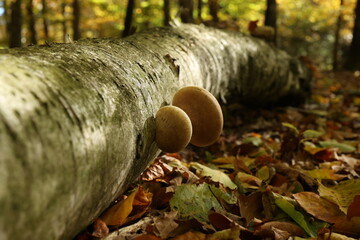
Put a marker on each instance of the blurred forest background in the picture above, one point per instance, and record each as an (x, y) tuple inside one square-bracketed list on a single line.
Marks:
[(321, 30)]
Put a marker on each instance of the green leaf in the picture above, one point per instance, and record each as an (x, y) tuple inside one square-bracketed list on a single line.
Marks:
[(215, 175), (194, 201), (299, 217), (292, 127), (341, 194), (312, 134), (333, 143), (253, 140)]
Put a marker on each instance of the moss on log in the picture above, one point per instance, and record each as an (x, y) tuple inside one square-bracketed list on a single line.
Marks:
[(77, 120)]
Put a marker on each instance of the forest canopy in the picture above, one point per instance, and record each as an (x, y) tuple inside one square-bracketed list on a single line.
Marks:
[(304, 28)]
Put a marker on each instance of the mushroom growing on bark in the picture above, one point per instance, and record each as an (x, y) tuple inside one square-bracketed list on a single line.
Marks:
[(204, 112), (173, 129)]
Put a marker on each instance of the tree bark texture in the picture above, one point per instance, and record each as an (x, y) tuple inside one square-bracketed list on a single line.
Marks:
[(32, 22), (354, 54), (77, 119), (15, 25)]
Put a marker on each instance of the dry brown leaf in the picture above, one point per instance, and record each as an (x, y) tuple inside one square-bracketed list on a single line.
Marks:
[(328, 212), (191, 236), (319, 207), (290, 228), (99, 228), (354, 208), (165, 224), (251, 206), (147, 237)]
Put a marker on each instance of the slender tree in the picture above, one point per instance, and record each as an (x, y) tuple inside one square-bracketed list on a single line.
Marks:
[(270, 16), (214, 9), (76, 20), (64, 22), (186, 11), (6, 16), (337, 37), (128, 18), (15, 25), (45, 20), (32, 22), (353, 61), (199, 8), (167, 17)]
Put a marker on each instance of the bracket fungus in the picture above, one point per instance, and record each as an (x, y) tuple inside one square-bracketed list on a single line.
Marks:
[(173, 129), (204, 112)]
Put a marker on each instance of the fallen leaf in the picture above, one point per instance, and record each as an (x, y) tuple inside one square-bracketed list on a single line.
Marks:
[(191, 236), (354, 208), (329, 212), (99, 229), (309, 134), (324, 174), (156, 170), (228, 234), (147, 237), (300, 218), (318, 207), (166, 224), (268, 229), (194, 201), (251, 206), (341, 146), (129, 209), (341, 194), (215, 175)]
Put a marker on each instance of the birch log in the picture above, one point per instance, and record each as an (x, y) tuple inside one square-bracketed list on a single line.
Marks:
[(77, 119)]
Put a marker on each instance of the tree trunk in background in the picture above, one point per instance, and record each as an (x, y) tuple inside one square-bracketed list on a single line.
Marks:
[(128, 18), (167, 17), (45, 20), (6, 17), (186, 11), (214, 9), (199, 8), (337, 37), (270, 16), (77, 120), (76, 20), (354, 54), (32, 22), (15, 25), (64, 22)]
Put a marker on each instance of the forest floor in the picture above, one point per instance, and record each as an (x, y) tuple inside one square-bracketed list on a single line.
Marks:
[(273, 174)]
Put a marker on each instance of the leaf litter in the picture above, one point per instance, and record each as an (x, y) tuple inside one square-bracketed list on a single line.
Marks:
[(280, 173)]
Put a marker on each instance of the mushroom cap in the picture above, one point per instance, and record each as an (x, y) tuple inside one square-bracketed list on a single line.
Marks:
[(173, 129), (204, 112)]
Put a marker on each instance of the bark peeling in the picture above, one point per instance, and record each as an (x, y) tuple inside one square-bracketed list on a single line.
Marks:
[(77, 120)]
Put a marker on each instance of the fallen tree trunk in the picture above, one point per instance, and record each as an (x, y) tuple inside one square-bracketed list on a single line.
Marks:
[(77, 120)]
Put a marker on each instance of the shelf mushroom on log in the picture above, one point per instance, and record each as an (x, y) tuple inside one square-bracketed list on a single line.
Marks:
[(77, 120)]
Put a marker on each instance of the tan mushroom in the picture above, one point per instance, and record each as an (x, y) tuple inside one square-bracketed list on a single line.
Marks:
[(173, 129), (204, 112)]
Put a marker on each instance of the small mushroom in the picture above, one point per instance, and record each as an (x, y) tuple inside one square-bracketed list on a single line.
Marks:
[(204, 112), (173, 129)]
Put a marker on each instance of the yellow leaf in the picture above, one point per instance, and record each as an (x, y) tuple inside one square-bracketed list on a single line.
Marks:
[(117, 214)]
